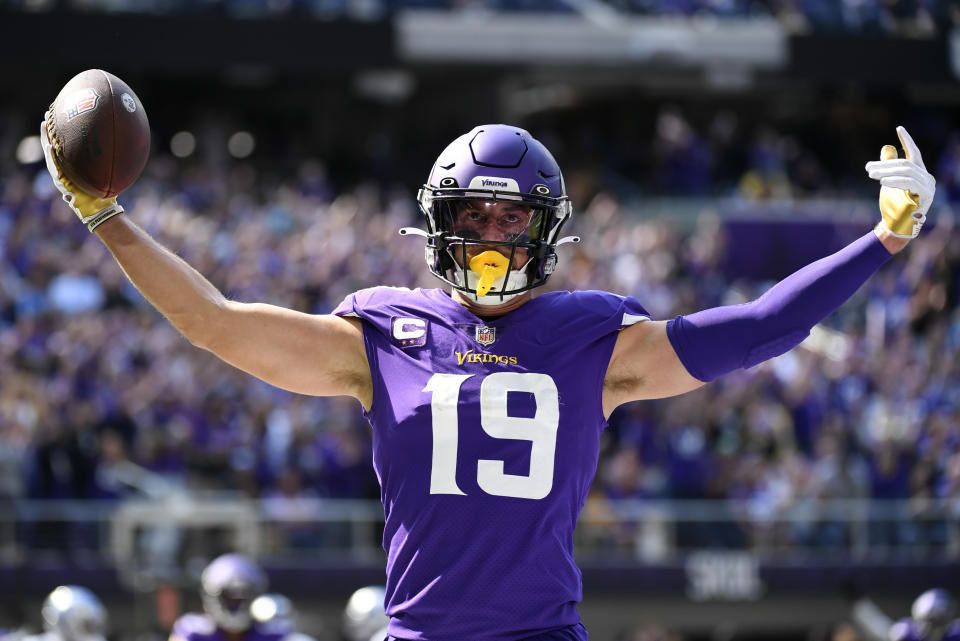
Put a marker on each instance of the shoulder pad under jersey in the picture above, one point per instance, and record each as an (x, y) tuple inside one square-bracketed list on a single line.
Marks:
[(905, 630), (275, 630), (193, 627), (953, 631)]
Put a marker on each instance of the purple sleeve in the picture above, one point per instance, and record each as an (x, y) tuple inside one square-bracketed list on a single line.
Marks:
[(719, 340), (274, 630), (347, 306), (953, 631), (193, 627), (373, 303), (904, 630)]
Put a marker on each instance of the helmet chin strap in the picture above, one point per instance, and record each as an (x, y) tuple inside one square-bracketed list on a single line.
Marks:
[(477, 280)]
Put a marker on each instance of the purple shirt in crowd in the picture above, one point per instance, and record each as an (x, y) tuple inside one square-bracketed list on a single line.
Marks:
[(485, 442)]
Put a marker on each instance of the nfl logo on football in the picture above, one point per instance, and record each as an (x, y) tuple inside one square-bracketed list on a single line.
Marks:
[(81, 102), (485, 335)]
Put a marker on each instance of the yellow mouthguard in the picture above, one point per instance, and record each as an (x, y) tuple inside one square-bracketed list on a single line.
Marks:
[(491, 265)]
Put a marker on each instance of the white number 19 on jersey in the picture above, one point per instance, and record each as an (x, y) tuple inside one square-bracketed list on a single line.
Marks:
[(540, 430)]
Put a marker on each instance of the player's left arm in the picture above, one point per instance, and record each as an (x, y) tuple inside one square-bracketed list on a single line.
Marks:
[(660, 359), (644, 365)]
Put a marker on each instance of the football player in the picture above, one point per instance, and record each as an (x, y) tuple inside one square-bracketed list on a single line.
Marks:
[(364, 618), (487, 403), (228, 587), (10, 612), (72, 613), (931, 619), (275, 612)]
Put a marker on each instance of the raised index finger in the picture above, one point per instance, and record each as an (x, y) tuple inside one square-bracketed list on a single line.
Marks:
[(910, 147)]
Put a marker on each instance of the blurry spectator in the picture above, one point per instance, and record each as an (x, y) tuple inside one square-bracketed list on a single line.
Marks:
[(294, 509), (682, 156), (891, 16)]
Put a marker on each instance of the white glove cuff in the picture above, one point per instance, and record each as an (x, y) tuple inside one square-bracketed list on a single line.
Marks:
[(917, 225), (52, 166), (97, 219)]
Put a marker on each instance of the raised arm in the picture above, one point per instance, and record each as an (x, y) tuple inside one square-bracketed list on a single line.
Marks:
[(318, 355), (309, 354), (660, 359)]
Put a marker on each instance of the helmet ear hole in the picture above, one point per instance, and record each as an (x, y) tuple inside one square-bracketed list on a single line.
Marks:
[(437, 259), (444, 261)]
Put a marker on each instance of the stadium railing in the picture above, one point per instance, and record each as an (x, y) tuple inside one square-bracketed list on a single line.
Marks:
[(139, 532)]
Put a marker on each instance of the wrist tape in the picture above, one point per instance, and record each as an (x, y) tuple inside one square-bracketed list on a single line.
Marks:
[(95, 220)]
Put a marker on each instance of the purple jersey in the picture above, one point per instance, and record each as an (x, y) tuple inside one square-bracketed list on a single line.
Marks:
[(200, 627), (910, 630), (485, 441)]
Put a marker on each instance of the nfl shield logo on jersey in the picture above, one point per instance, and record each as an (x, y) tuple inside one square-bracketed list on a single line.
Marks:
[(485, 335)]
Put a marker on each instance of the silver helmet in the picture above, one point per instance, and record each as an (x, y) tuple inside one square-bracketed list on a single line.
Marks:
[(364, 614), (74, 613), (272, 608)]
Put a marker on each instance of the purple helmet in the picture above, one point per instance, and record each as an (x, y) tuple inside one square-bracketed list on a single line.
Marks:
[(503, 164), (228, 586)]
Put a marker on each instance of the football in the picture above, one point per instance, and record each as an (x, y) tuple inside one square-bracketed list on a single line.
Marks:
[(99, 133)]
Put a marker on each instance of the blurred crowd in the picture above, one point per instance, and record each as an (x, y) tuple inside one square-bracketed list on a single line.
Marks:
[(100, 396), (868, 407), (902, 17)]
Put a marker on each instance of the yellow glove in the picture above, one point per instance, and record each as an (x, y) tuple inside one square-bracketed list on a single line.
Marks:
[(906, 190), (91, 210)]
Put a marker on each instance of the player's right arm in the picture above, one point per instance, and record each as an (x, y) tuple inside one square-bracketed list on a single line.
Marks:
[(304, 353), (320, 355)]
